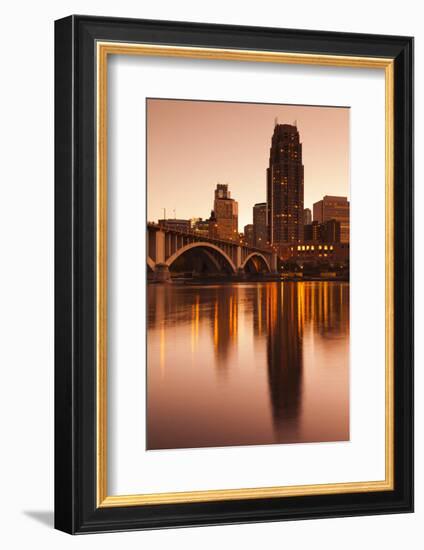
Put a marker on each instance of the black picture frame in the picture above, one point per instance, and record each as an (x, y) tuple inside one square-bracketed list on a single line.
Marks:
[(76, 510)]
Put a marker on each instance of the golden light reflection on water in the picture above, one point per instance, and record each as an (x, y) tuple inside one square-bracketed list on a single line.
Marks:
[(245, 364)]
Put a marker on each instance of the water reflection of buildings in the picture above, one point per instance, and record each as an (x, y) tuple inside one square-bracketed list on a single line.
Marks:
[(169, 306), (326, 306), (224, 313), (283, 313), (260, 308), (280, 315), (285, 355)]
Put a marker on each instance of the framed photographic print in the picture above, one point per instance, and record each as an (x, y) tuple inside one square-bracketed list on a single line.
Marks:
[(234, 274)]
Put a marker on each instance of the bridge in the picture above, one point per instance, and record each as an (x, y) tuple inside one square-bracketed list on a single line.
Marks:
[(171, 250)]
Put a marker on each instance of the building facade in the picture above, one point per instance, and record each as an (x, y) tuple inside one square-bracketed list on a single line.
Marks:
[(312, 232), (307, 216), (316, 253), (176, 225), (327, 232), (213, 226), (201, 227), (225, 213), (248, 235), (334, 208), (260, 226), (332, 232), (285, 175)]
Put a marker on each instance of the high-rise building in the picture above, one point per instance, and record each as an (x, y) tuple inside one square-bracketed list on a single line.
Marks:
[(307, 216), (331, 231), (213, 226), (285, 186), (327, 232), (260, 226), (248, 235), (226, 213), (334, 208), (312, 232)]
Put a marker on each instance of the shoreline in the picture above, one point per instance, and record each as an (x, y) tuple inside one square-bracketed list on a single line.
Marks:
[(226, 280)]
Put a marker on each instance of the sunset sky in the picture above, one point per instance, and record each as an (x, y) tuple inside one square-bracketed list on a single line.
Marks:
[(193, 145)]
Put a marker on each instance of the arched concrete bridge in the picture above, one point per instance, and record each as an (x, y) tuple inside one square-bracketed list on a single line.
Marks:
[(166, 245)]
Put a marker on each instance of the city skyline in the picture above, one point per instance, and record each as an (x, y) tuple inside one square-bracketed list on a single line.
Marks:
[(241, 281), (198, 139)]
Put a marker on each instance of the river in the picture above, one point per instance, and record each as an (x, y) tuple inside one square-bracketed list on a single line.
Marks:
[(247, 363)]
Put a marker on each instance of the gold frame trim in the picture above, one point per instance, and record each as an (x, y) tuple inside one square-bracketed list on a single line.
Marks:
[(104, 49)]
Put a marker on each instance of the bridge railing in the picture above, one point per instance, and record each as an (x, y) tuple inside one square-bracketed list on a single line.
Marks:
[(194, 233)]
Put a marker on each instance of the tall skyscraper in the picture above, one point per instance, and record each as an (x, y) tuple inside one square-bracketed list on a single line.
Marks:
[(260, 227), (334, 208), (285, 186), (226, 213)]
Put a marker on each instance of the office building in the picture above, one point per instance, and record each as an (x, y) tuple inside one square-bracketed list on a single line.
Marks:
[(327, 232), (285, 186), (307, 216), (248, 236), (260, 227), (334, 208), (226, 214)]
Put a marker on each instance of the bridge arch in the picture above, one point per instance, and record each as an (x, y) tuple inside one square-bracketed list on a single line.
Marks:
[(256, 255), (205, 246), (150, 263), (212, 258)]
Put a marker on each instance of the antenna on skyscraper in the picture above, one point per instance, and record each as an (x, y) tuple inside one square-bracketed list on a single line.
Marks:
[(295, 123), (275, 121)]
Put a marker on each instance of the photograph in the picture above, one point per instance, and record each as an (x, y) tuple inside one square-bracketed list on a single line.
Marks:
[(247, 236)]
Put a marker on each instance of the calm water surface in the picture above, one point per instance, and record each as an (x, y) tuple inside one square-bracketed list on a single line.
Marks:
[(247, 364)]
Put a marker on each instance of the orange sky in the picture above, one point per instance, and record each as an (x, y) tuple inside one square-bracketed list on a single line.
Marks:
[(193, 145)]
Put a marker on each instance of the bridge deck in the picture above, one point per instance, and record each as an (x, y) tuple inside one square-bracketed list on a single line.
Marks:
[(201, 238)]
